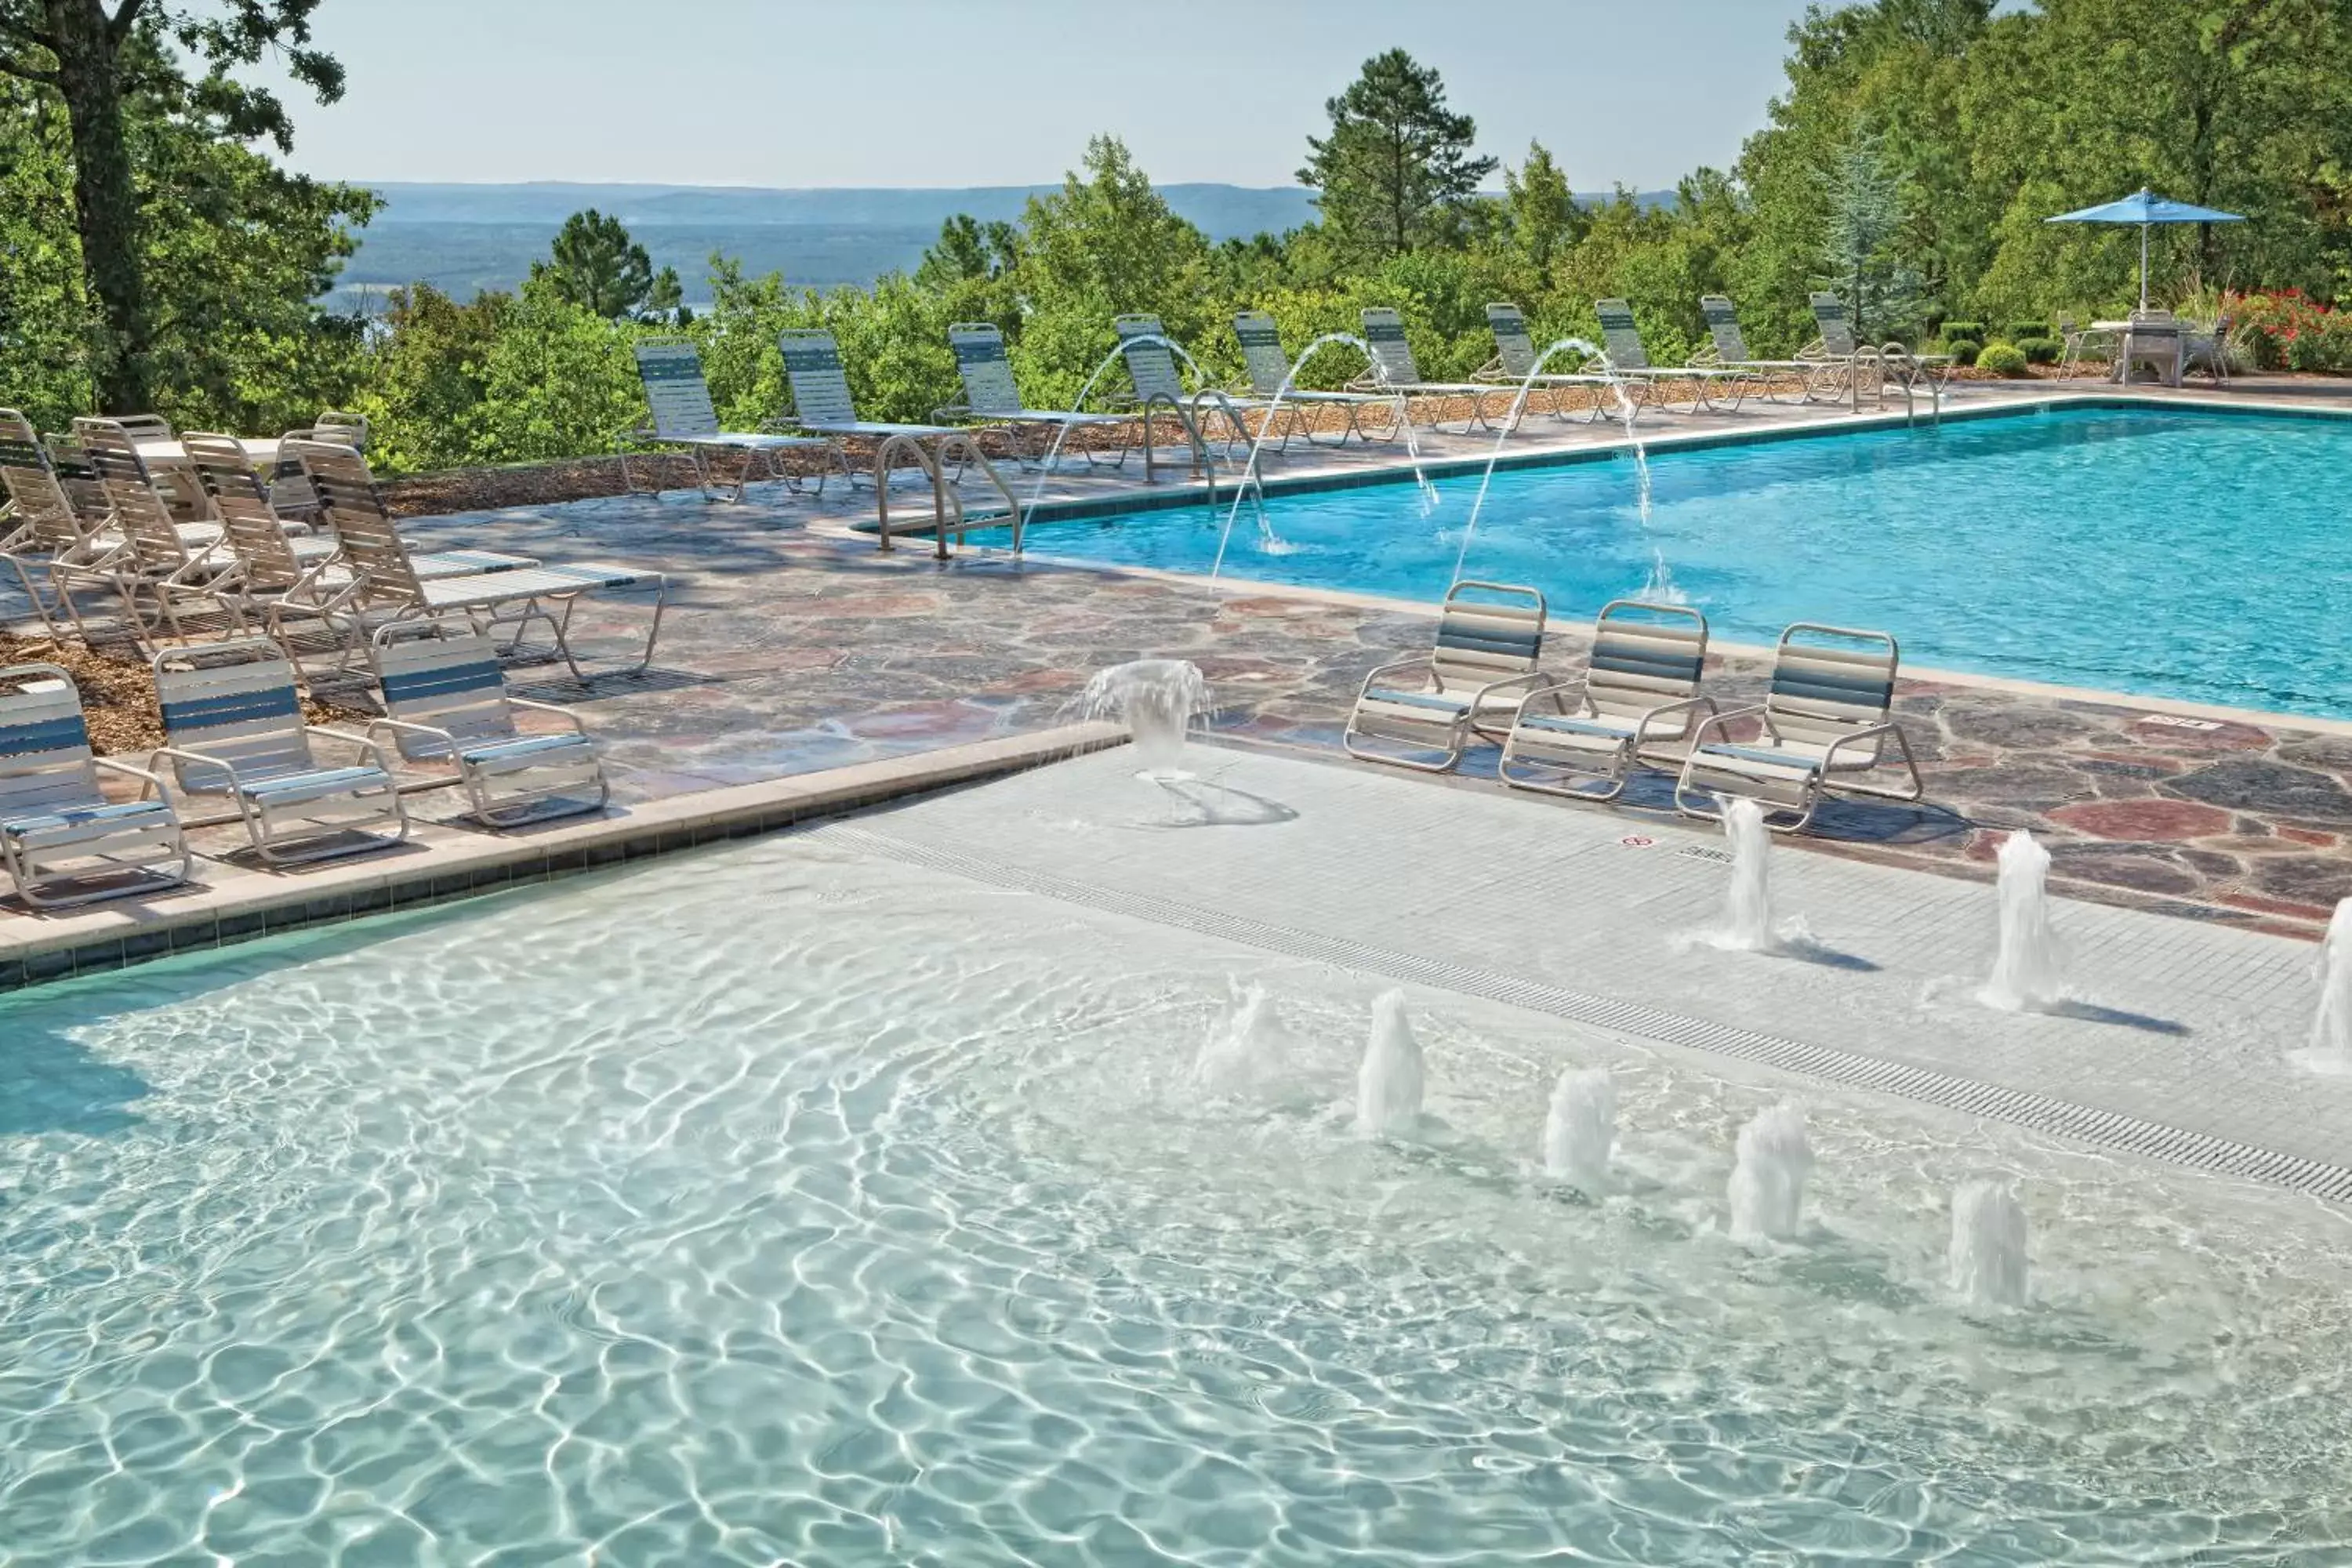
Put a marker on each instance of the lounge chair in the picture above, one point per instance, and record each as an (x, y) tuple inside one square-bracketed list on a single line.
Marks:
[(1269, 363), (1152, 373), (1640, 691), (1393, 370), (163, 571), (1729, 351), (1621, 339), (290, 492), (1514, 361), (61, 840), (42, 529), (821, 399), (393, 589), (679, 400), (1827, 718), (1424, 711), (233, 728), (992, 398), (446, 701), (1839, 346)]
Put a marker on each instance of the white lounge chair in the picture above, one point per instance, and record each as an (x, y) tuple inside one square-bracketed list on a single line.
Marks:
[(1865, 362), (1729, 351), (990, 396), (392, 588), (1827, 720), (1269, 364), (42, 529), (1424, 711), (233, 728), (821, 396), (1393, 370), (1621, 339), (164, 571), (679, 400), (446, 701), (1640, 691), (1515, 361), (1152, 373), (62, 841)]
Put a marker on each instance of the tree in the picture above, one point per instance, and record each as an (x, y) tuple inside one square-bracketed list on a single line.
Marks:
[(597, 266), (1542, 210), (1397, 165), (92, 60), (969, 251), (1864, 217)]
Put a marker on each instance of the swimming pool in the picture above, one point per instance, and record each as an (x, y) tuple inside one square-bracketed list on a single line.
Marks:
[(789, 1204), (2160, 552)]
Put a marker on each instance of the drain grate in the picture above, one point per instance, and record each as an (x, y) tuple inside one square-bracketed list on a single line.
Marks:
[(2018, 1108), (1704, 852)]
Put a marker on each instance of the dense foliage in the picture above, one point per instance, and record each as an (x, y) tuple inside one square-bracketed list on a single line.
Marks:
[(1909, 164)]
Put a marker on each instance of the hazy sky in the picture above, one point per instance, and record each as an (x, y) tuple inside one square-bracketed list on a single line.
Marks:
[(969, 92)]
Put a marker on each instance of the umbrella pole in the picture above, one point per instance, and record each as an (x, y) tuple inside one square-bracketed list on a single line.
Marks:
[(2143, 267)]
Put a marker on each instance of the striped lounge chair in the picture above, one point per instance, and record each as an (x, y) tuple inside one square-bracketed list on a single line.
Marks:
[(990, 396), (1154, 381), (677, 401), (1827, 722), (447, 702), (1727, 348), (61, 840), (1621, 337), (233, 729), (1268, 364), (1424, 711), (1641, 691), (821, 396), (1514, 361), (393, 588), (1395, 370)]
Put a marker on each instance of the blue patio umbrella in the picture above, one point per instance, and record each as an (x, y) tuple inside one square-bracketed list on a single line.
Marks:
[(2145, 207)]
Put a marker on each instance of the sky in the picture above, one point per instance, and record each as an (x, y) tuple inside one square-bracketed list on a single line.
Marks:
[(978, 92)]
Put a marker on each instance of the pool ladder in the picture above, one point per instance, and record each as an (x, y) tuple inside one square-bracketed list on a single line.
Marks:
[(950, 517), (1898, 364)]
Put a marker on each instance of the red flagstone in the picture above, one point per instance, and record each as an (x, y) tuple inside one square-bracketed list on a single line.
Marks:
[(2145, 819)]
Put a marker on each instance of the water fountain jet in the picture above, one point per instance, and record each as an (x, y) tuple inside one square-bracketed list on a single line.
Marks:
[(2026, 974), (1988, 1251), (1157, 700), (1247, 1051), (1580, 1127), (1768, 1179), (1388, 1088), (2330, 1050)]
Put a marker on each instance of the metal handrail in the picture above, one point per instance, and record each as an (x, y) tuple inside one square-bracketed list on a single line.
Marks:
[(1914, 375), (946, 499)]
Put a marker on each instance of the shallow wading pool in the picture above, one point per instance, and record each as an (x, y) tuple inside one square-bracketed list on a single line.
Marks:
[(788, 1201), (2166, 553)]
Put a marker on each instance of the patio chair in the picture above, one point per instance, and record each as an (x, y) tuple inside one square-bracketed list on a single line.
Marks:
[(1515, 361), (392, 588), (1838, 346), (62, 841), (1727, 348), (678, 402), (991, 395), (821, 397), (2154, 340), (1269, 364), (1393, 371), (2079, 342), (1424, 711), (42, 529), (446, 701), (1827, 720), (1154, 381), (1640, 691), (163, 570), (1621, 338), (233, 729), (2207, 350)]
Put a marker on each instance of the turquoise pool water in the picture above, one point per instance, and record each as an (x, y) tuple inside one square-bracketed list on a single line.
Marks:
[(782, 1204), (2165, 552)]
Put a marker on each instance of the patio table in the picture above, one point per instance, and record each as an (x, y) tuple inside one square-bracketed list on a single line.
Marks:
[(259, 450)]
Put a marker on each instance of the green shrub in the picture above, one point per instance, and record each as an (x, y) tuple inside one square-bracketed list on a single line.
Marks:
[(1967, 331), (2021, 331), (1964, 350), (2041, 351), (2001, 359)]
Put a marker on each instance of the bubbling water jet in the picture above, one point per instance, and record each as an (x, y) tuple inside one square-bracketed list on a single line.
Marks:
[(1158, 699), (2330, 1050), (1388, 1088), (1768, 1180), (1988, 1251), (2026, 974), (1247, 1052), (1580, 1127)]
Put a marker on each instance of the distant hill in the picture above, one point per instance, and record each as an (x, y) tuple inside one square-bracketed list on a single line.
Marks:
[(465, 237)]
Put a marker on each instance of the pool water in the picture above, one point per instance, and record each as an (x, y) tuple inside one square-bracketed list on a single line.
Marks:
[(780, 1204), (2162, 553)]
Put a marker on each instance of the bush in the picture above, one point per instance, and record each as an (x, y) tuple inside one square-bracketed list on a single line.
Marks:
[(2021, 331), (2286, 330), (1964, 331), (2041, 351), (2001, 359), (1964, 350)]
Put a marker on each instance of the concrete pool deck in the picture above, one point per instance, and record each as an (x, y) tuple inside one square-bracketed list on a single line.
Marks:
[(795, 648)]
